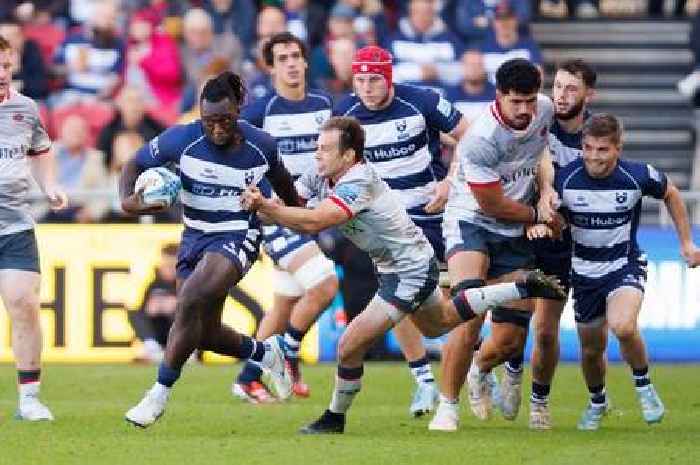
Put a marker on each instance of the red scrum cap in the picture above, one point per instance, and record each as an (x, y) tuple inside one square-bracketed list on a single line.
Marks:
[(373, 60)]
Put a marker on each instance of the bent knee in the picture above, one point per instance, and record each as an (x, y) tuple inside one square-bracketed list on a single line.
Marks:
[(23, 306)]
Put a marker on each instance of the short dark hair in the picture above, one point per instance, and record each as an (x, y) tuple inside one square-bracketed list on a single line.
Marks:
[(282, 38), (352, 136), (604, 125), (225, 85), (4, 44), (519, 75), (580, 68)]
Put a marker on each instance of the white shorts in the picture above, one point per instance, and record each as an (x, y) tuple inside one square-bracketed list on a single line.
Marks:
[(309, 275)]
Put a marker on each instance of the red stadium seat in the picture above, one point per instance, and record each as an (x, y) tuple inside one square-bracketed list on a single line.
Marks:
[(98, 115)]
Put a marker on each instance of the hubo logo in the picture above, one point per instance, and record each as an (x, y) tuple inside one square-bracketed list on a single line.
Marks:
[(621, 197), (401, 127), (215, 191), (390, 153)]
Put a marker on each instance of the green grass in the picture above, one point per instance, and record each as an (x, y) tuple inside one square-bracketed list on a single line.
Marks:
[(204, 425)]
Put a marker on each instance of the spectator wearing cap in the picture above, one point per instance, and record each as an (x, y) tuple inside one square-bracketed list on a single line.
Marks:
[(472, 19), (475, 92), (425, 51), (29, 73), (506, 42)]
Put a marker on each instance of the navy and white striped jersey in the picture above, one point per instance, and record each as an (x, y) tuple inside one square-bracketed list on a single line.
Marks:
[(295, 127), (293, 124), (565, 146), (402, 141), (213, 178), (604, 214)]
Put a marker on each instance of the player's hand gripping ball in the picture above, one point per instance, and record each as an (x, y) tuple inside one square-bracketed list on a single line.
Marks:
[(158, 187)]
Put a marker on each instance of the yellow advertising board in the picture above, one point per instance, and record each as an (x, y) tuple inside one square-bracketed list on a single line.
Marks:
[(92, 275)]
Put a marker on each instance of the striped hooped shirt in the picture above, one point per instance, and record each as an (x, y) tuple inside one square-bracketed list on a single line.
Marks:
[(402, 142), (604, 215), (213, 178)]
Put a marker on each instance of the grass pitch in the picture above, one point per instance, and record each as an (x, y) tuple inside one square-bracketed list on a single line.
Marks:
[(205, 425)]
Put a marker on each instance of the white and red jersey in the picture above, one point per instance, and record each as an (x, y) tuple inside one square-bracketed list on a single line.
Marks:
[(491, 154), (377, 219), (21, 136)]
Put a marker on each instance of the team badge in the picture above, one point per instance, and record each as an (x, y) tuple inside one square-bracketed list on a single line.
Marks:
[(621, 197), (249, 177)]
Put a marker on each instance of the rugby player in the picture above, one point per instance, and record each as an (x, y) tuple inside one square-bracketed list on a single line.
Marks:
[(403, 126), (218, 157), (601, 196), (348, 192), (25, 152), (304, 279)]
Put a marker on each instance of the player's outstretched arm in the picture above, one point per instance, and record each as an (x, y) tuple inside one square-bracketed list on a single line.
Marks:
[(283, 184), (679, 215), (307, 221)]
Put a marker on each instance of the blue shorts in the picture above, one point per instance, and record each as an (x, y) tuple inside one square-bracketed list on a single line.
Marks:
[(408, 291), (591, 298), (506, 254), (554, 258), (432, 229), (241, 249), (18, 251), (282, 243)]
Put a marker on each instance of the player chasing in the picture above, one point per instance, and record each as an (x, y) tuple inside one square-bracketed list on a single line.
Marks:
[(572, 90), (404, 126), (601, 197), (490, 202), (25, 152), (304, 278), (219, 156), (349, 193)]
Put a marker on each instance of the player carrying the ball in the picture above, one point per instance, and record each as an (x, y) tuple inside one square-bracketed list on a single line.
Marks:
[(219, 156)]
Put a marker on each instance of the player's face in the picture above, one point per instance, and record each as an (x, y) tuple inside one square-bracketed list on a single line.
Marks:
[(329, 161), (600, 155), (5, 72), (569, 94), (372, 89), (517, 109), (288, 64), (219, 120)]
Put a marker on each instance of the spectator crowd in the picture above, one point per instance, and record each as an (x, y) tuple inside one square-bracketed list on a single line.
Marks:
[(111, 74)]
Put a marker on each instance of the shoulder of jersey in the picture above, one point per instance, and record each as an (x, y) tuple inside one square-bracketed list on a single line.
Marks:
[(321, 95)]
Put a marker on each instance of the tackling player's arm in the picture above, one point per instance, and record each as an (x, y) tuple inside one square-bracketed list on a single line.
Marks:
[(308, 221)]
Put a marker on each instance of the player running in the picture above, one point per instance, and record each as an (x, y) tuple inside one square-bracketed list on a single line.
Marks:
[(601, 198), (304, 279), (490, 202), (572, 90), (25, 152), (348, 192), (403, 126), (219, 156)]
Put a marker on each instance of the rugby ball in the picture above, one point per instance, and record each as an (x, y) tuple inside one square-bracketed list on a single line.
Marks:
[(159, 187)]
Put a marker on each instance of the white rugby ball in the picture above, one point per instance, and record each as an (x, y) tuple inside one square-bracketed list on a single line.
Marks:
[(159, 187)]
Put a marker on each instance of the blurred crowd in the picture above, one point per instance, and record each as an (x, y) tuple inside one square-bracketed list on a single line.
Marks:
[(111, 74)]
